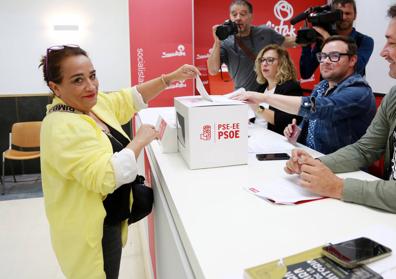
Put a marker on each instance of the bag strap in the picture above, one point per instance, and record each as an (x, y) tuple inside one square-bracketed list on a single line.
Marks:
[(64, 108), (247, 50)]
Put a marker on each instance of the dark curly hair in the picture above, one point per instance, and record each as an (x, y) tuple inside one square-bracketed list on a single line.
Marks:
[(51, 62)]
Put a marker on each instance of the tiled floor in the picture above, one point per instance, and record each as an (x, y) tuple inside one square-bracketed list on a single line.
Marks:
[(25, 247)]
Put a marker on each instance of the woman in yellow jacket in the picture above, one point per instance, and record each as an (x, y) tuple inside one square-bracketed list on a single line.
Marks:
[(86, 157)]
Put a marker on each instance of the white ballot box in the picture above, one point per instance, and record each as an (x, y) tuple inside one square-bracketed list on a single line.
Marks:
[(212, 133)]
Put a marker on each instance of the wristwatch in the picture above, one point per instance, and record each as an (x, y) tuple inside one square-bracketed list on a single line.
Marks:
[(260, 109)]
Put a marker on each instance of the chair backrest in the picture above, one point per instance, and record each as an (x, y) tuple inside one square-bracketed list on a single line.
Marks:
[(26, 134)]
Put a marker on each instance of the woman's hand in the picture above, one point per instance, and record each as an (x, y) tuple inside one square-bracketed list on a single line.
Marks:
[(249, 97), (151, 88), (143, 137), (184, 72)]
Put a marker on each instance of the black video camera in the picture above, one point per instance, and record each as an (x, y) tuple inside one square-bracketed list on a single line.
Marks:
[(228, 28), (322, 16)]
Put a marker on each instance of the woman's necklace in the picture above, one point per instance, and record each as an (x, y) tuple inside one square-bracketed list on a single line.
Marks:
[(102, 125), (104, 128)]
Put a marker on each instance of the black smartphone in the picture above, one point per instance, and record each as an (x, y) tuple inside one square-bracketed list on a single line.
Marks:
[(355, 252), (272, 156)]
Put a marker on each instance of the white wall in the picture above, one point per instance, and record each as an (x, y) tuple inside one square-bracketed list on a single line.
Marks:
[(372, 20), (26, 30)]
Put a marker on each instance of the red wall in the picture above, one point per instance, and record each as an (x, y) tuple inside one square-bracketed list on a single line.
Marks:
[(208, 13), (161, 41)]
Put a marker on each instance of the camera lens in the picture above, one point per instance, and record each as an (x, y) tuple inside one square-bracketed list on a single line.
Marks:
[(226, 29), (222, 32)]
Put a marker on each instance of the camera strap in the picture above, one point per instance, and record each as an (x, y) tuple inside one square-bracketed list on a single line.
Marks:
[(247, 50)]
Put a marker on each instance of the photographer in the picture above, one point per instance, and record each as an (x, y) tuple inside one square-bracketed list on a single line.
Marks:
[(365, 44), (239, 50)]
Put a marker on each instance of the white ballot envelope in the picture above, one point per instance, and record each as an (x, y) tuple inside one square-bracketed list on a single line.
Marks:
[(166, 126), (202, 90), (224, 99)]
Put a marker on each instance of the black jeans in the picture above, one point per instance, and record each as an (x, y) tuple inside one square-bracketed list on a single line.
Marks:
[(112, 248)]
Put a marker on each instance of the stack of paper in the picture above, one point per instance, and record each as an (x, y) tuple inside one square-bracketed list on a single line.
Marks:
[(282, 191)]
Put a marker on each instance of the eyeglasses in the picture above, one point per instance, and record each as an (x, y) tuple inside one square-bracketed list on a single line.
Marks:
[(55, 48), (334, 56), (268, 60)]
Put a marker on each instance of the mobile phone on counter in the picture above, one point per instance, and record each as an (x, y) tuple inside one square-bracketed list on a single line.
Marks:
[(355, 252), (272, 156)]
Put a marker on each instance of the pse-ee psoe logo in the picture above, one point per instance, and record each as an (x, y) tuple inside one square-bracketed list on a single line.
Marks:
[(221, 132), (283, 11)]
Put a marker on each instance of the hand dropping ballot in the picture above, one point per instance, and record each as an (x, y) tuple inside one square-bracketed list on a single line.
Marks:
[(201, 89), (216, 98), (211, 129)]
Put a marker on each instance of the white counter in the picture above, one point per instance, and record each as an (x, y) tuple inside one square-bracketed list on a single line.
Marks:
[(208, 226)]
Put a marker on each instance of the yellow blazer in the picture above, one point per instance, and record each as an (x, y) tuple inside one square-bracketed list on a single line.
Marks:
[(76, 176)]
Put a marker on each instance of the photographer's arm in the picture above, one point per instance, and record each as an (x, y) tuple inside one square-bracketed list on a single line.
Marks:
[(323, 33), (290, 41), (308, 61), (214, 62)]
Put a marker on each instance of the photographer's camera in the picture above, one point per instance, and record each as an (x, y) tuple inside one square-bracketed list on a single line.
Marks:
[(321, 16), (228, 28)]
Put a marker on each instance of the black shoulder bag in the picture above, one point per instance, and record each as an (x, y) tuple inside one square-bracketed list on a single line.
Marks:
[(117, 203), (143, 199)]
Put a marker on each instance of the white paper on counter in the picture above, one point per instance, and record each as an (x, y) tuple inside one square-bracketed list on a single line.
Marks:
[(283, 190), (258, 144)]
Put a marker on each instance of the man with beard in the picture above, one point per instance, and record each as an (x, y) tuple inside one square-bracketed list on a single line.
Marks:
[(318, 175), (365, 44), (340, 107), (239, 51)]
